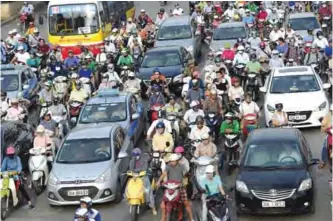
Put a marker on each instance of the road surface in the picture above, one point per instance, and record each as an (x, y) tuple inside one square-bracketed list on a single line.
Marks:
[(120, 212)]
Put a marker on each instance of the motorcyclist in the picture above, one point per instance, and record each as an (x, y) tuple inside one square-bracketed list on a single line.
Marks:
[(41, 139), (21, 42), (206, 147), (275, 34), (21, 56), (241, 57), (213, 103), (143, 18), (229, 125), (248, 18), (279, 117), (34, 38), (161, 16), (236, 90), (56, 67), (57, 108), (230, 12), (15, 112), (178, 10), (252, 6), (172, 106), (310, 37), (241, 10), (140, 162), (253, 66), (4, 102), (293, 52), (159, 80), (85, 71), (56, 51), (219, 65), (81, 214), (86, 203), (228, 53), (222, 83), (161, 118), (71, 60), (182, 160), (263, 51), (282, 46), (84, 53), (195, 93), (109, 45), (275, 61), (47, 93), (240, 42), (49, 124), (125, 59), (132, 82), (262, 14), (290, 33), (324, 11), (254, 40), (12, 162), (134, 36), (113, 75), (326, 124), (248, 106), (136, 49), (196, 13), (104, 82), (320, 42), (156, 98), (273, 17), (191, 114), (161, 137), (216, 22), (79, 94), (313, 57), (175, 171)]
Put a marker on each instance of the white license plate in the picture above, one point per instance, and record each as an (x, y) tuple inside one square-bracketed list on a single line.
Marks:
[(297, 117), (268, 204), (78, 193)]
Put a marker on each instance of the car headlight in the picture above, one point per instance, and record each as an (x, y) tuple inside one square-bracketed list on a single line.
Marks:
[(270, 108), (241, 187), (106, 176), (305, 185), (178, 78), (189, 48), (322, 106), (53, 180)]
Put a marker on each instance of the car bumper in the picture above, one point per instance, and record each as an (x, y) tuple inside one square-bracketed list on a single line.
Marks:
[(99, 193), (299, 202), (311, 121)]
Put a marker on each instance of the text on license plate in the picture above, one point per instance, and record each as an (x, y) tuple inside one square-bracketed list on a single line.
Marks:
[(297, 117), (267, 204), (78, 193)]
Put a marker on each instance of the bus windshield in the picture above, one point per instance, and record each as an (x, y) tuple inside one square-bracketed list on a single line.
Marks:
[(77, 19)]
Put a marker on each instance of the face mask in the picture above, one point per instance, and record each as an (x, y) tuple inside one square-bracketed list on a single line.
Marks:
[(274, 56), (324, 6), (241, 52), (131, 78), (320, 37)]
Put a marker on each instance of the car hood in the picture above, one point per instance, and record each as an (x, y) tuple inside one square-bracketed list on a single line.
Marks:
[(123, 124), (269, 179), (298, 101), (181, 42), (12, 94), (304, 33), (169, 72), (218, 45), (88, 171)]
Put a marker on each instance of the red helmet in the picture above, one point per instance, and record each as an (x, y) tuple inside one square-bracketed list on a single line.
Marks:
[(234, 79), (179, 149), (10, 150), (262, 44)]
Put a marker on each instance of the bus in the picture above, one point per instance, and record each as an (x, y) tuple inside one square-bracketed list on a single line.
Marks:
[(73, 23)]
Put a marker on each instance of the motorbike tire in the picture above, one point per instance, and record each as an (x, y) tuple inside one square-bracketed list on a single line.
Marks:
[(119, 196), (4, 209), (134, 214), (38, 189)]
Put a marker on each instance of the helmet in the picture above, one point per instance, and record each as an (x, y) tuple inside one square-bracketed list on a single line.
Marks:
[(275, 52), (227, 45), (10, 150), (136, 152), (160, 125), (14, 101), (213, 92), (40, 129), (179, 149), (142, 10), (194, 104), (3, 94), (161, 114), (172, 97), (239, 40), (320, 33), (229, 115), (131, 74), (262, 44), (253, 56), (210, 169), (205, 136), (81, 213), (174, 157), (87, 200), (278, 105), (36, 30), (313, 46), (78, 83), (199, 119), (156, 70), (234, 79), (162, 10), (48, 83), (240, 48)]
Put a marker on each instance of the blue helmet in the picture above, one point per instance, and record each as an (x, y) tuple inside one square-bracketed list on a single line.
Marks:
[(156, 70), (160, 125), (136, 152)]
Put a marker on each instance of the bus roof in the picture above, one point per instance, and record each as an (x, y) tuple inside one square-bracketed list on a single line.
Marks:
[(68, 2)]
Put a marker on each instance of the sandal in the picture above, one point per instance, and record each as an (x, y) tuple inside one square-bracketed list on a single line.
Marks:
[(321, 165)]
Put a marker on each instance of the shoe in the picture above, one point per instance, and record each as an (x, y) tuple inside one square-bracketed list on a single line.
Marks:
[(31, 206), (154, 212)]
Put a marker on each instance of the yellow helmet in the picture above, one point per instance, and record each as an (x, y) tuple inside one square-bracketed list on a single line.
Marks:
[(236, 17)]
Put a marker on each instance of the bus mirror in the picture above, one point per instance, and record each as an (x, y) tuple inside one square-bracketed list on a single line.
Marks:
[(103, 17), (40, 20)]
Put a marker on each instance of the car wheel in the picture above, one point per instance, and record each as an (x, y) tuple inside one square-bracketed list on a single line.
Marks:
[(119, 195), (312, 208), (239, 212)]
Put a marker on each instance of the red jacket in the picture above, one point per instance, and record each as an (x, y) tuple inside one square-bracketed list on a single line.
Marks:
[(329, 139), (228, 54), (325, 11), (262, 15)]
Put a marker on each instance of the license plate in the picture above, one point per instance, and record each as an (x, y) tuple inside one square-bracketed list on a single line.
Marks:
[(268, 204), (297, 117), (78, 193)]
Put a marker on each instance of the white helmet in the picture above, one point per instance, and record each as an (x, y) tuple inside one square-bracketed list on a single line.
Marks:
[(131, 74), (142, 10), (110, 66), (36, 30), (74, 76), (240, 48), (275, 52), (40, 129), (174, 157), (205, 136), (194, 104), (210, 169)]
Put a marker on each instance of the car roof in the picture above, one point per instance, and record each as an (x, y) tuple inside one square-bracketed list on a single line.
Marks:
[(176, 20), (97, 131), (164, 49), (273, 134), (231, 25), (296, 70), (302, 15), (10, 69), (122, 97)]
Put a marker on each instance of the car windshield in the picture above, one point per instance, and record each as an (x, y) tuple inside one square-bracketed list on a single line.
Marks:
[(279, 154), (229, 33), (84, 151), (309, 23), (108, 112), (294, 84), (74, 19), (9, 82), (174, 32), (160, 59)]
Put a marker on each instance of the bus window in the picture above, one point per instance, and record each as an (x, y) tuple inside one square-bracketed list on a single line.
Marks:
[(73, 19), (112, 11), (106, 11)]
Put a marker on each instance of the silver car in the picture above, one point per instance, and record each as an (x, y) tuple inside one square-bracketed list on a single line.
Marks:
[(180, 31), (228, 33), (90, 163), (302, 22)]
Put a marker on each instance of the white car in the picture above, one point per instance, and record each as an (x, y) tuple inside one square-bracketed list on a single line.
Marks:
[(301, 92)]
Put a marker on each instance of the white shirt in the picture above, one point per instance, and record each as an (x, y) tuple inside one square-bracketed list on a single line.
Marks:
[(290, 33), (130, 41), (250, 108), (178, 11), (29, 9), (235, 92), (196, 132), (4, 105), (241, 59), (17, 37), (22, 57), (229, 12), (130, 26), (274, 36), (321, 43), (191, 115), (101, 57), (167, 124), (113, 76), (241, 11), (110, 48)]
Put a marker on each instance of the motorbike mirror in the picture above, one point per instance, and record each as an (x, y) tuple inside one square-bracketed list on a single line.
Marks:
[(314, 161), (122, 155), (263, 89), (135, 116), (25, 87), (40, 20), (326, 86), (48, 145), (167, 144)]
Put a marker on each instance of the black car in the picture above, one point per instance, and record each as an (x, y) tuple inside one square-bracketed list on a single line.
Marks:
[(275, 173), (171, 61)]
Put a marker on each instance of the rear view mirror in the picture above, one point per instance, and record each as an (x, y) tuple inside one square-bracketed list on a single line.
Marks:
[(326, 86), (167, 144), (122, 155), (135, 116), (40, 20), (263, 89), (314, 161)]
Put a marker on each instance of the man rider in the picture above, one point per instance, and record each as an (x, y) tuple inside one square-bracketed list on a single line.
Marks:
[(198, 129), (56, 51), (254, 40), (161, 16), (29, 10), (320, 42), (79, 95), (134, 35), (15, 112), (195, 93), (47, 93), (213, 103), (241, 57), (57, 108), (262, 14), (71, 60), (161, 118), (324, 11), (273, 17), (21, 56), (161, 137), (178, 10), (279, 117), (275, 61), (112, 74), (132, 82), (125, 59), (143, 18), (293, 51), (275, 34), (182, 160), (230, 12), (248, 18), (263, 51), (86, 203), (34, 38), (109, 45), (230, 125), (253, 66), (248, 107), (313, 57), (206, 147)]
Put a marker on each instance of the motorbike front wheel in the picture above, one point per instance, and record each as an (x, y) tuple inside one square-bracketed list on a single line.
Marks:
[(4, 207), (38, 185), (134, 214)]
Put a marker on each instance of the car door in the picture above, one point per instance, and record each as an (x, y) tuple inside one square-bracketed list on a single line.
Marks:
[(137, 125), (196, 39), (307, 152)]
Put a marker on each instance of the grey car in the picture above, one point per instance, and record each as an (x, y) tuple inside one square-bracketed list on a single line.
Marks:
[(302, 22), (180, 31), (228, 33), (90, 163)]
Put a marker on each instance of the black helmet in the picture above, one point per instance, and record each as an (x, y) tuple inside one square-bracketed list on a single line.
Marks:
[(253, 56), (3, 94), (162, 10), (320, 33), (172, 97), (56, 99), (199, 119), (279, 105)]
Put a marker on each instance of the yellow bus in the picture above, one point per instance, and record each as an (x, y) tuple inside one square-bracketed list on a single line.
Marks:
[(73, 23)]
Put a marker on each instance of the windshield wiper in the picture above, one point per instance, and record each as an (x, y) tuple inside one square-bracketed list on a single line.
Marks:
[(85, 34), (300, 91), (278, 92)]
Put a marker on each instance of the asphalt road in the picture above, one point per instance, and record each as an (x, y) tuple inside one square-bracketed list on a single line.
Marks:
[(120, 212)]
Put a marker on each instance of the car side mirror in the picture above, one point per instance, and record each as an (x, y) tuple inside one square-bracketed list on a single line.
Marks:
[(197, 33), (314, 162), (135, 116), (263, 89), (122, 155), (326, 86), (25, 87), (40, 20), (73, 120)]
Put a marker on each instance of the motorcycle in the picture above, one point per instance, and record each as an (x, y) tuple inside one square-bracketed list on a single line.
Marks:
[(38, 167), (252, 124), (124, 73), (264, 75), (228, 64), (326, 23), (86, 83), (173, 120), (217, 207), (234, 107), (135, 192), (23, 22), (61, 87), (231, 146), (240, 73), (172, 200), (157, 166), (9, 197), (154, 112), (186, 85), (212, 121), (62, 122), (135, 91), (74, 111), (260, 27), (252, 85), (210, 74), (137, 58), (45, 108)]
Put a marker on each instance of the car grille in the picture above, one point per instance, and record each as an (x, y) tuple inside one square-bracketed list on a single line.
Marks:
[(307, 115), (77, 181), (63, 192), (273, 195)]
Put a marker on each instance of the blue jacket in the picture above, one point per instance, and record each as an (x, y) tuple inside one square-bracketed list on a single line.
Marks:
[(201, 84), (85, 73), (9, 164), (72, 62), (282, 49), (248, 19), (93, 214), (328, 51)]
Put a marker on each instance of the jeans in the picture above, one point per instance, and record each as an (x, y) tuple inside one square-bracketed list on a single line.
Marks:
[(149, 192), (324, 156)]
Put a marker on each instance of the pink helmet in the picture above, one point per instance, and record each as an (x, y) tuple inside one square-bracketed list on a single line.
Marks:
[(10, 150), (179, 149)]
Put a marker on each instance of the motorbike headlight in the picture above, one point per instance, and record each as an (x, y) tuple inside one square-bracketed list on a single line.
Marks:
[(189, 48), (270, 108), (241, 187), (178, 78), (53, 180), (106, 176), (322, 106), (305, 185)]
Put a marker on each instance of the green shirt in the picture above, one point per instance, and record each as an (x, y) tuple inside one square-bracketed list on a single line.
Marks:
[(234, 126), (33, 62), (128, 60), (253, 67), (92, 66), (252, 7)]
